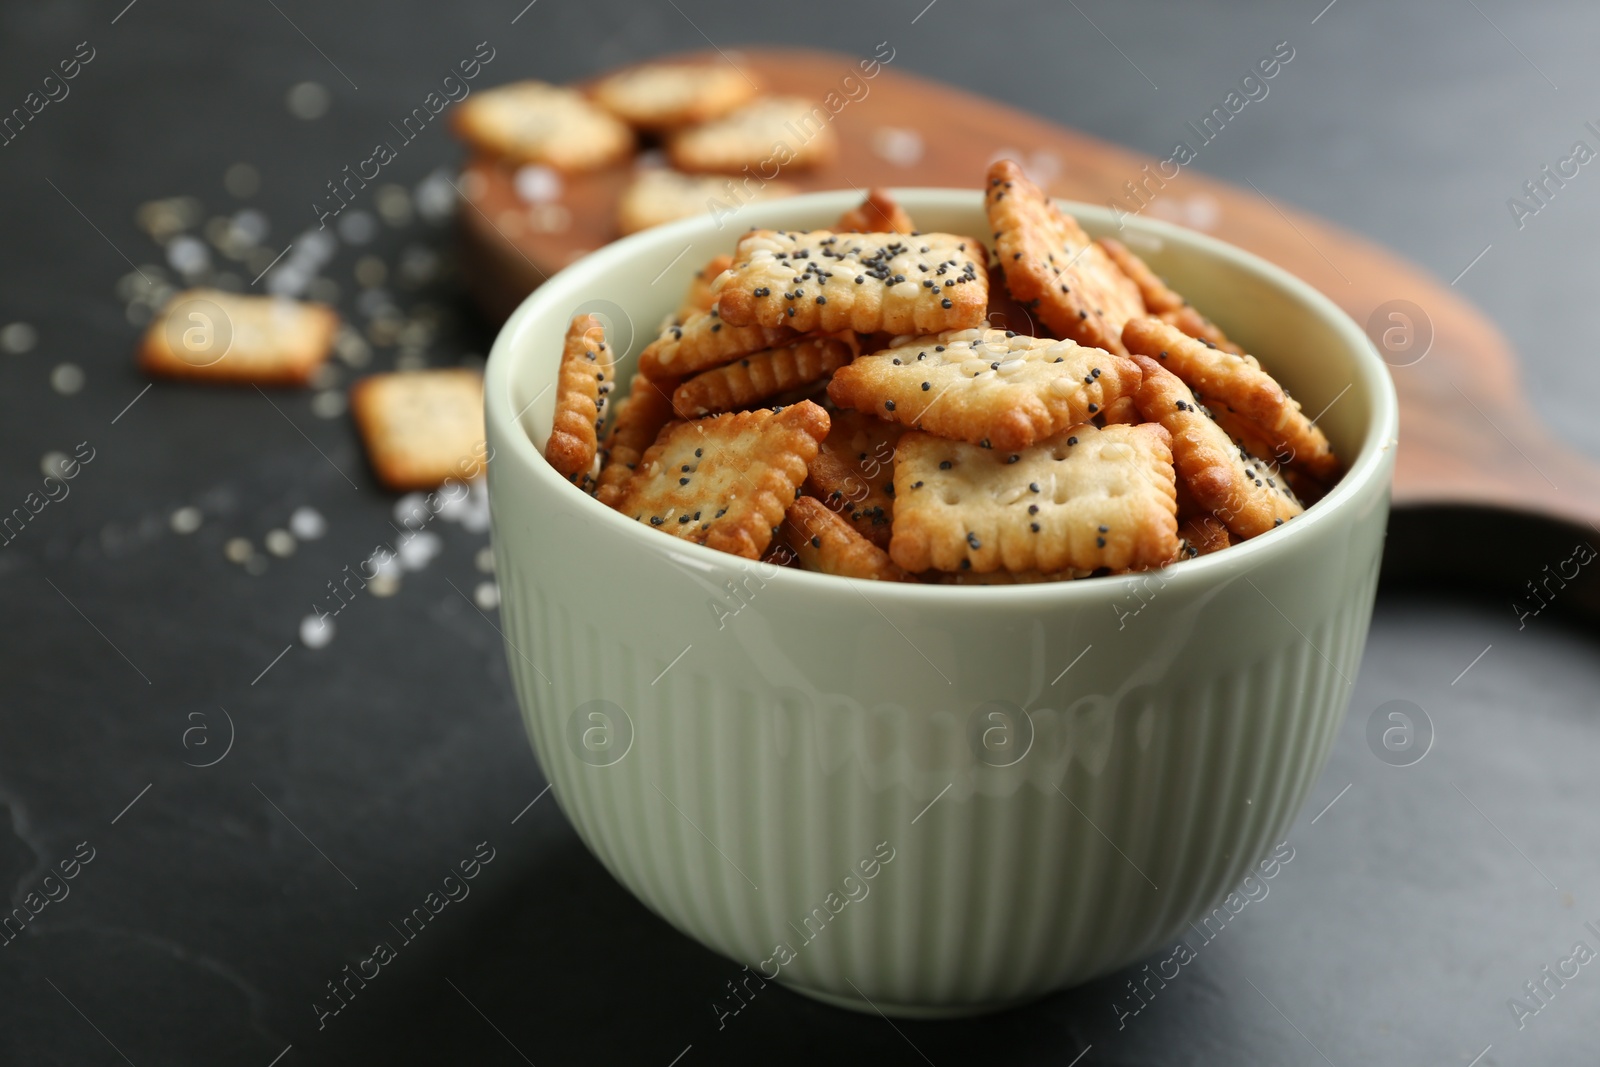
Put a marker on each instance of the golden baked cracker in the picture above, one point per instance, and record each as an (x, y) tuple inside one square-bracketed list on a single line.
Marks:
[(867, 282), (780, 555), (657, 96), (421, 427), (768, 133), (985, 386), (1004, 312), (1201, 535), (1236, 382), (1005, 577), (704, 340), (853, 473), (582, 385), (1161, 300), (637, 421), (878, 213), (761, 375), (725, 481), (1248, 495), (534, 122), (211, 335), (658, 195), (1053, 268), (1122, 410), (1196, 325), (824, 542), (1083, 499), (700, 298)]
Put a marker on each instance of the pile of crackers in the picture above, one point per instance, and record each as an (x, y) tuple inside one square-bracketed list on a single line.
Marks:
[(708, 121), (874, 402)]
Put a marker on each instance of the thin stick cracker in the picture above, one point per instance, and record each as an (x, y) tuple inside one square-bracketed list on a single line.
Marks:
[(582, 385)]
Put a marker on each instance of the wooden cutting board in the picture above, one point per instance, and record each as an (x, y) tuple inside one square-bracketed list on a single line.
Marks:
[(1482, 491)]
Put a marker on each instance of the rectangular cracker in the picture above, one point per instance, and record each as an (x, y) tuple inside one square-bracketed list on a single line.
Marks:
[(211, 335), (760, 376), (825, 543), (535, 122), (1084, 499), (582, 386), (662, 96), (725, 481), (985, 386), (782, 131), (421, 427), (705, 340), (867, 282)]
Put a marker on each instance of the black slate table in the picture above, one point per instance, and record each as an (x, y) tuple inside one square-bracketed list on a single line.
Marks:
[(209, 906)]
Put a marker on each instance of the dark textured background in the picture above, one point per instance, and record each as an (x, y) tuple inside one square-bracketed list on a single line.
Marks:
[(206, 924)]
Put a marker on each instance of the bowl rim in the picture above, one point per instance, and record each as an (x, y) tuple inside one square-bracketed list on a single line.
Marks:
[(1372, 461)]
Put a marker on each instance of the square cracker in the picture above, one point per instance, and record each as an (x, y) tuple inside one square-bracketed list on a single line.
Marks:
[(705, 340), (582, 385), (656, 96), (867, 282), (1084, 499), (761, 376), (823, 542), (211, 335), (659, 195), (421, 427), (986, 386), (1247, 494), (1053, 268), (773, 131), (535, 122), (725, 481), (1239, 384)]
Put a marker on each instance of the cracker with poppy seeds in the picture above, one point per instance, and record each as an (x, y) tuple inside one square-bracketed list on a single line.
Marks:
[(824, 542), (658, 96), (216, 336), (1083, 499), (1201, 535), (1238, 383), (1161, 300), (705, 340), (700, 298), (421, 427), (582, 385), (1052, 267), (878, 213), (638, 419), (867, 282), (535, 122), (853, 473), (725, 481), (781, 131), (751, 379), (985, 386), (1245, 493), (658, 195)]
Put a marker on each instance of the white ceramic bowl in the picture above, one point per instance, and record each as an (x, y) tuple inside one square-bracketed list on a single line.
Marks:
[(934, 800)]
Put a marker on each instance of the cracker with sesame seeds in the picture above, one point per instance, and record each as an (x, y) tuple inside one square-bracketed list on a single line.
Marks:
[(658, 195), (771, 131), (1161, 300), (867, 282), (1053, 268), (824, 542), (582, 385), (1083, 499), (1247, 494), (751, 379), (421, 427), (725, 481), (636, 422), (878, 213), (700, 298), (705, 340), (534, 122), (853, 473), (658, 96), (986, 386), (216, 336), (1238, 383)]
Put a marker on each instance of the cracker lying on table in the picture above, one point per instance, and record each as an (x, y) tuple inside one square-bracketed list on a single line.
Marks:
[(211, 335), (985, 386), (773, 131), (878, 213), (635, 424), (853, 474), (1161, 300), (824, 542), (700, 298), (1084, 499), (656, 96), (760, 376), (582, 384), (704, 340), (725, 481), (421, 427), (867, 282), (658, 195), (534, 122), (1053, 268), (1236, 382), (1248, 495)]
